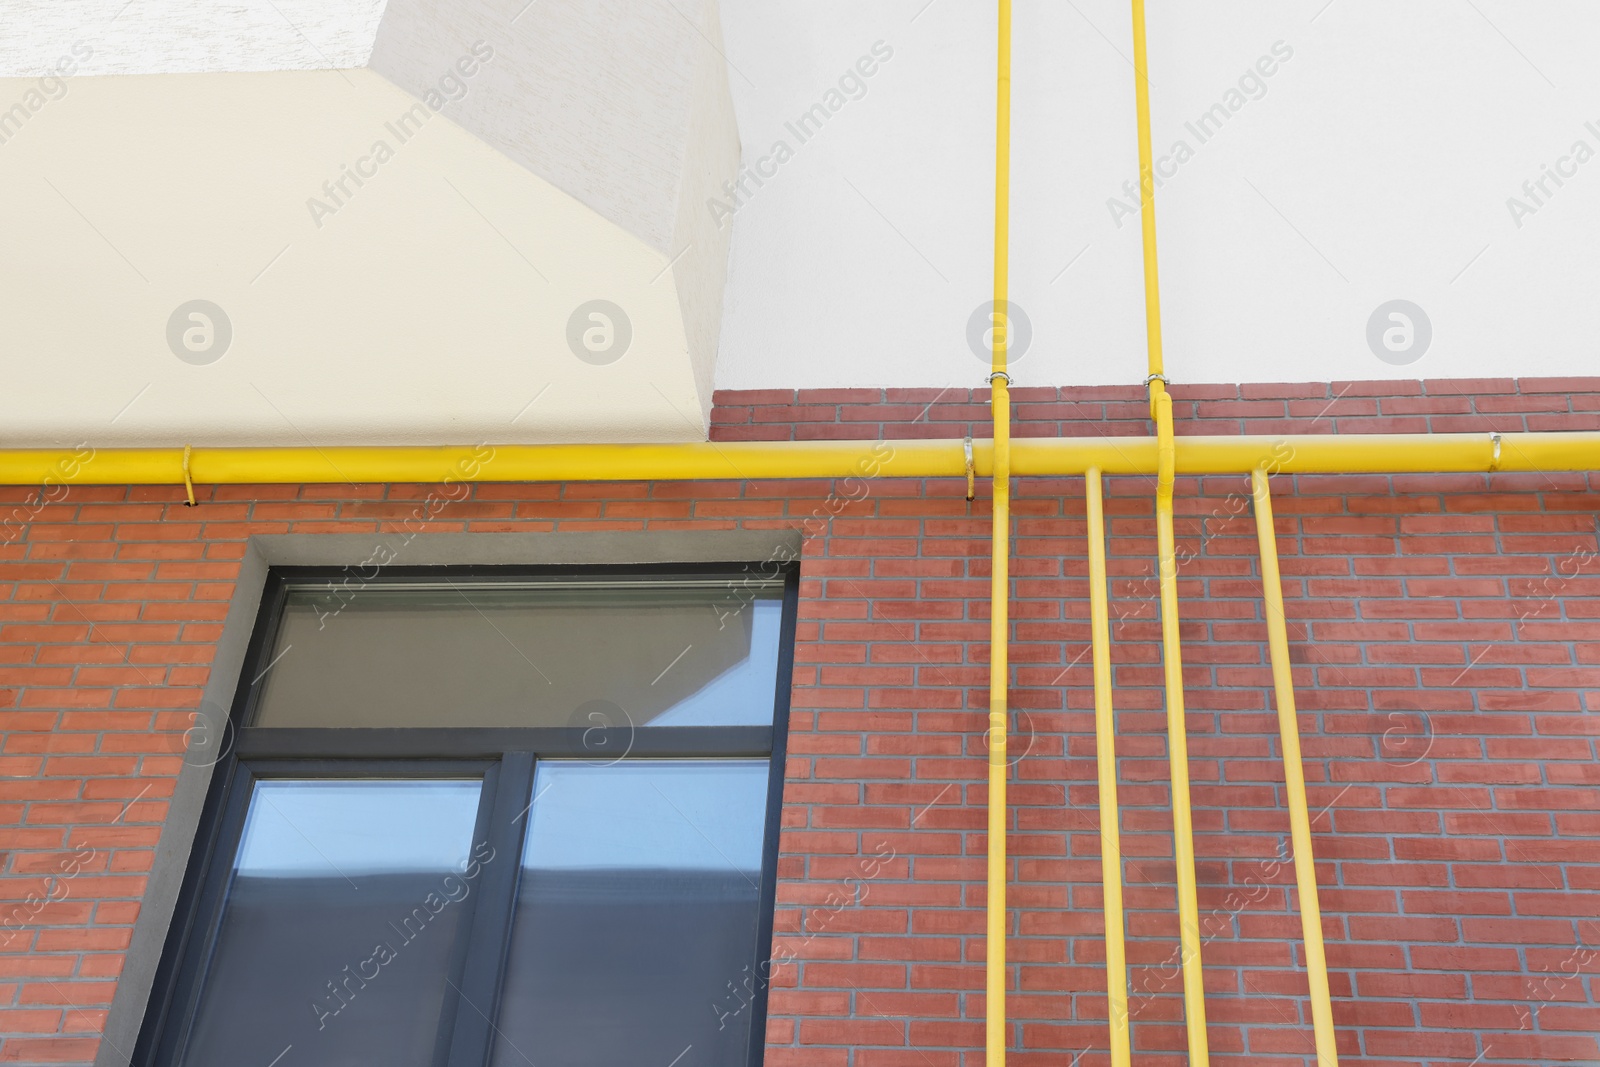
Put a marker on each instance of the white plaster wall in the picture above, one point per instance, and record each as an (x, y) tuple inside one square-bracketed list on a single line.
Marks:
[(700, 240), (186, 36), (1376, 165), (591, 95)]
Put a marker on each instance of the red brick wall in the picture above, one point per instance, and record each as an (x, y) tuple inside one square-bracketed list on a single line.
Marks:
[(1447, 636), (1507, 405), (1449, 676)]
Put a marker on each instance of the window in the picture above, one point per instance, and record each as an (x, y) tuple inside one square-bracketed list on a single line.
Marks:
[(495, 817)]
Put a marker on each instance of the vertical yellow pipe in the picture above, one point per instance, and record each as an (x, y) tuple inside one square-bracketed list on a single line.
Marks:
[(1194, 1002), (1305, 868), (1147, 191), (1000, 582), (999, 671), (1106, 755), (1194, 994)]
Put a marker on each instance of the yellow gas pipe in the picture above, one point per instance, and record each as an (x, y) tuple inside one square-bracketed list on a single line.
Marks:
[(1294, 777), (1000, 579), (1147, 198), (1194, 994), (1028, 457), (1106, 757), (1178, 743)]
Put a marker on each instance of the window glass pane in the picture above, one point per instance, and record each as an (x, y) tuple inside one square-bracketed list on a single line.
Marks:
[(341, 924), (558, 653), (635, 933)]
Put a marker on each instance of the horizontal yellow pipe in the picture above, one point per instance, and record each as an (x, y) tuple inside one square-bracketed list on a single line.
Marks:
[(1030, 457)]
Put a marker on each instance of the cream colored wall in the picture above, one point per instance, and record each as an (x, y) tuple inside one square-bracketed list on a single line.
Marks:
[(622, 103), (563, 153), (431, 306)]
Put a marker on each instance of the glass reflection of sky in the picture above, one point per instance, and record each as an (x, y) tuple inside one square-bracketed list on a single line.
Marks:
[(703, 654), (742, 695), (322, 828), (649, 814)]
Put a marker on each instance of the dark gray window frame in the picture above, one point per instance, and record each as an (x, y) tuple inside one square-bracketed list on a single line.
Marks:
[(186, 830)]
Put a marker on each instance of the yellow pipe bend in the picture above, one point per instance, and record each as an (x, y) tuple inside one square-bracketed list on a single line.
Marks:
[(1294, 777)]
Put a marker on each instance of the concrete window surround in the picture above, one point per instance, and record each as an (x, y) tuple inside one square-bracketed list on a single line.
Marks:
[(334, 550)]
